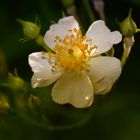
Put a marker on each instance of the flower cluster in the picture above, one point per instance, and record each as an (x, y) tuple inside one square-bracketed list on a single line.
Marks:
[(76, 63)]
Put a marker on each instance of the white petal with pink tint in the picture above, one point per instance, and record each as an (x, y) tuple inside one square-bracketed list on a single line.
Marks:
[(42, 68), (60, 29), (102, 37)]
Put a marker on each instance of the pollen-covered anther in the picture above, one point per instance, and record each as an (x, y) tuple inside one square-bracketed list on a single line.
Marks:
[(54, 68), (75, 30), (57, 38), (67, 40), (58, 48), (72, 52)]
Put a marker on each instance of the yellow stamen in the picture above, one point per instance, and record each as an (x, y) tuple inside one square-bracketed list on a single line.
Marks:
[(72, 52)]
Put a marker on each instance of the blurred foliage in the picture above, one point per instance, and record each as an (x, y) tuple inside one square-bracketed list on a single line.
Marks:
[(114, 117)]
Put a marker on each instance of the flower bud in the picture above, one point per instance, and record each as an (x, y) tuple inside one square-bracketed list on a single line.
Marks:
[(15, 82), (31, 30), (128, 27)]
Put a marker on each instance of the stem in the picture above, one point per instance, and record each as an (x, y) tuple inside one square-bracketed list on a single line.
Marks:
[(89, 10), (127, 46), (51, 127), (125, 55), (40, 41)]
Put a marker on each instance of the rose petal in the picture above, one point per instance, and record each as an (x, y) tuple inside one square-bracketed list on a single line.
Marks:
[(42, 68), (104, 71), (101, 36), (75, 89), (60, 29)]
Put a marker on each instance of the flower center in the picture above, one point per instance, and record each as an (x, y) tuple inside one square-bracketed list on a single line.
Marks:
[(72, 52)]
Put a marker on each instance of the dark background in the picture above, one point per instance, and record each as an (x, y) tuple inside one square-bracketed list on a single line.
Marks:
[(117, 117)]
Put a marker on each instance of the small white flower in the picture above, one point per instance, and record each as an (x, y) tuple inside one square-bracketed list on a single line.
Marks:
[(81, 72)]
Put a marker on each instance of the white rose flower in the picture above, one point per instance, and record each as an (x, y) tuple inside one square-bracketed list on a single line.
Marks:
[(76, 65)]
